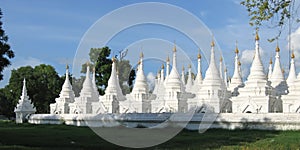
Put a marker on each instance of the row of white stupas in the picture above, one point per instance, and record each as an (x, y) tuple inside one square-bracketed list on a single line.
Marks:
[(260, 93)]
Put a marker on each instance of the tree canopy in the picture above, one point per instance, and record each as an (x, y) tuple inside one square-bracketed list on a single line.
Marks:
[(43, 86), (100, 59), (5, 51), (275, 13)]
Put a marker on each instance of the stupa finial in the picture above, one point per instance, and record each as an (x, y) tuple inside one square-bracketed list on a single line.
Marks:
[(293, 54), (212, 44), (277, 47), (141, 55), (114, 59), (236, 47), (199, 55), (256, 35), (271, 62), (174, 49)]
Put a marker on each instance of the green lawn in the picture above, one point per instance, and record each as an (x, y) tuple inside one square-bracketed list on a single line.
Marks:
[(27, 136)]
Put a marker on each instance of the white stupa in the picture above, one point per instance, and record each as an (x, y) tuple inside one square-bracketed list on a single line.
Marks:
[(183, 76), (66, 96), (255, 96), (83, 103), (167, 67), (24, 106), (138, 100), (198, 80), (290, 101), (292, 74), (190, 81), (95, 88), (270, 69), (221, 68), (168, 97), (113, 93), (236, 80), (211, 92), (277, 78)]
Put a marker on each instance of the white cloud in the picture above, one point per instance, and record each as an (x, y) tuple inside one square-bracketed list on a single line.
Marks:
[(17, 63), (295, 42), (151, 80), (248, 55)]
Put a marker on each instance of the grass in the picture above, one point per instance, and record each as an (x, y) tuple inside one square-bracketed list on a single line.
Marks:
[(27, 136)]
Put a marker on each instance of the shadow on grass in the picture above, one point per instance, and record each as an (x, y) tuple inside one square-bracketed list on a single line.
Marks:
[(216, 138)]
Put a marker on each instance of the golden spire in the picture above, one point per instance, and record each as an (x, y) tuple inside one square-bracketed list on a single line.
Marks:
[(162, 66), (168, 59), (283, 71), (277, 47), (256, 35), (236, 48), (88, 63), (225, 70), (142, 55), (199, 55), (67, 66), (139, 62), (114, 59), (292, 55), (212, 44), (174, 49), (239, 63), (271, 62), (221, 59)]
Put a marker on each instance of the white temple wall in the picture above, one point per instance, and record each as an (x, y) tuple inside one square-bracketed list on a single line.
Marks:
[(59, 108), (262, 121)]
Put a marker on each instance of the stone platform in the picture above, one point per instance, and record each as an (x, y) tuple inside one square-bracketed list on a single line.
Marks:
[(267, 121)]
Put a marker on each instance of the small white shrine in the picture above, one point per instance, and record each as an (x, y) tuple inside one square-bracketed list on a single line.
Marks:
[(24, 106)]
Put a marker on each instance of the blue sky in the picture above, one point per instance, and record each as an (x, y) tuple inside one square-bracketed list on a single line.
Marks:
[(50, 31)]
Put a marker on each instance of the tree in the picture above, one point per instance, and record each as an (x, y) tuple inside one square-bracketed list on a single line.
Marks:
[(77, 85), (43, 86), (5, 52), (103, 66), (274, 12), (94, 54), (126, 75), (47, 87)]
